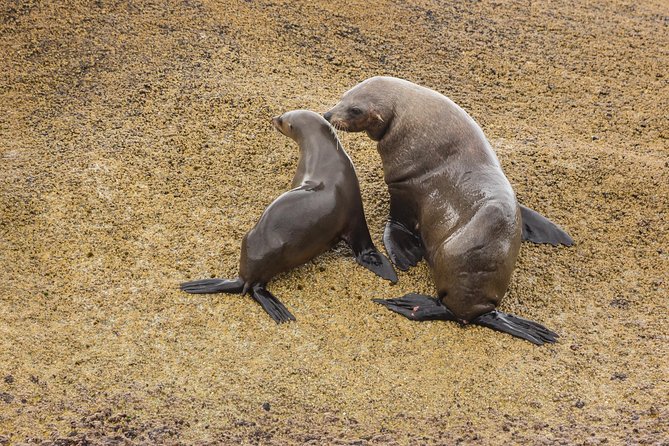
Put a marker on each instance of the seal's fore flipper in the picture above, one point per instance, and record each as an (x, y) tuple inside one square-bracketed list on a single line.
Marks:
[(376, 262), (207, 286), (516, 326), (539, 229), (365, 252), (404, 247), (310, 186), (418, 307), (271, 305)]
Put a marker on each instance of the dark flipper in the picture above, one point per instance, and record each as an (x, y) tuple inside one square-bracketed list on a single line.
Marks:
[(311, 186), (271, 305), (418, 307), (365, 252), (516, 326), (207, 286), (539, 229), (377, 263), (404, 247)]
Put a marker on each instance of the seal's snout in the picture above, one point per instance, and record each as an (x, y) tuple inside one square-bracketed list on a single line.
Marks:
[(277, 122), (327, 116)]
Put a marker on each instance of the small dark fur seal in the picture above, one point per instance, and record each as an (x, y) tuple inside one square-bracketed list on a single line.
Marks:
[(450, 202), (323, 207)]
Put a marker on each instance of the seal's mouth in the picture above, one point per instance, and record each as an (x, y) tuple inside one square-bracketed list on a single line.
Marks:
[(339, 124)]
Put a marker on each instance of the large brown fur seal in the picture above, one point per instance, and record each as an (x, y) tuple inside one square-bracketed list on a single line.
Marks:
[(323, 207), (450, 202)]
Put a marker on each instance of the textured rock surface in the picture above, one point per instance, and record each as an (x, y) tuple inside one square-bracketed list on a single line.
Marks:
[(136, 150)]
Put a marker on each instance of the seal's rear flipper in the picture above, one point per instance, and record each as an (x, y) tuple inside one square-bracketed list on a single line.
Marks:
[(418, 307), (404, 247), (207, 286), (271, 305), (516, 326), (539, 229), (377, 263)]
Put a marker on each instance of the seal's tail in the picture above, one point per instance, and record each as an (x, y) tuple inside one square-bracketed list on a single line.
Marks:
[(207, 286), (419, 307), (271, 305), (539, 229)]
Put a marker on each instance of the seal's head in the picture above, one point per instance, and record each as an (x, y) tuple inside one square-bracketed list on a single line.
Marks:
[(365, 107), (295, 124)]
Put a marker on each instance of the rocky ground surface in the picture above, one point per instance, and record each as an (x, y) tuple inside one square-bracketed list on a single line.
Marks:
[(136, 151)]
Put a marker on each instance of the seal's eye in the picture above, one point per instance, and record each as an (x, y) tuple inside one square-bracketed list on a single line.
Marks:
[(355, 111), (290, 125)]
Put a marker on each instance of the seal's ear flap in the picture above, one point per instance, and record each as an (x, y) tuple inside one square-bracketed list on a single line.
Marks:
[(374, 113)]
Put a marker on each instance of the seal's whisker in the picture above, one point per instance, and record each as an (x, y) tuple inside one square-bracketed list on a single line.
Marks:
[(341, 134), (333, 130)]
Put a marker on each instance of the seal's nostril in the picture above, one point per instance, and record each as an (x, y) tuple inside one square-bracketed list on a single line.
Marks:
[(327, 116)]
